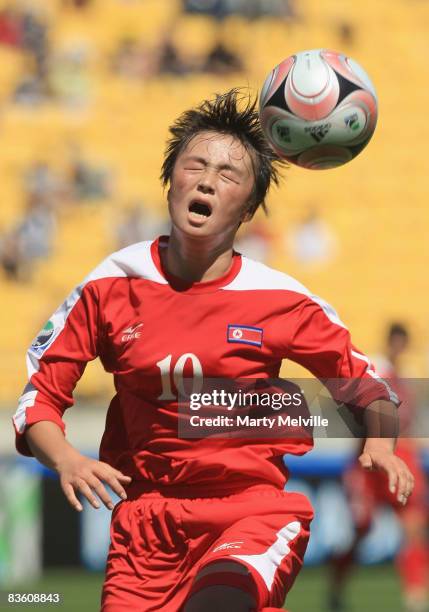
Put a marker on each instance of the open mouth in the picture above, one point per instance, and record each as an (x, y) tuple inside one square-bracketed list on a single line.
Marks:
[(199, 208)]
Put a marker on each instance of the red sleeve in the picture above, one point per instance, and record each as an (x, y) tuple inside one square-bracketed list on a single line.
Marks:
[(56, 360), (321, 343)]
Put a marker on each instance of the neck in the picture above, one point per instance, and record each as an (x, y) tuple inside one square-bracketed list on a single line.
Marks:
[(393, 358), (196, 259)]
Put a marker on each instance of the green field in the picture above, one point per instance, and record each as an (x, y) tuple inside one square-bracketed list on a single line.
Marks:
[(373, 589)]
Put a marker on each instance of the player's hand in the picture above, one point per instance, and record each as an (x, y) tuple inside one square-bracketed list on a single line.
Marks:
[(401, 480), (80, 474)]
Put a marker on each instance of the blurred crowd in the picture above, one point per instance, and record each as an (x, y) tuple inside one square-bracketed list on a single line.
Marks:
[(26, 32), (46, 193), (251, 9), (60, 74), (132, 59)]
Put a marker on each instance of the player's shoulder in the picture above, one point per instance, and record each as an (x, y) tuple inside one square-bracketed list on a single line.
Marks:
[(255, 275), (134, 261)]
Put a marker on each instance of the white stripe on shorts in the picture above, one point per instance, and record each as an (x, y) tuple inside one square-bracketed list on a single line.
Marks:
[(267, 563)]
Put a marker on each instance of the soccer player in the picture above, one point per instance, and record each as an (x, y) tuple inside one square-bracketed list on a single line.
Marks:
[(366, 492), (204, 524)]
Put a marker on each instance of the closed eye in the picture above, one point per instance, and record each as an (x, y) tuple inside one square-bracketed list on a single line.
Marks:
[(229, 178)]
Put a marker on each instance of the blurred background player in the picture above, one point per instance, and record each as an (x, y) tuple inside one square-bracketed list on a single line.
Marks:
[(366, 492)]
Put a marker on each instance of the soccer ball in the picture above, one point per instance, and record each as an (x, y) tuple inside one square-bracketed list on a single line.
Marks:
[(318, 109)]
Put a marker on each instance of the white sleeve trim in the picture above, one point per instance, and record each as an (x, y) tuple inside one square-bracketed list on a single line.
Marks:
[(371, 372), (26, 400)]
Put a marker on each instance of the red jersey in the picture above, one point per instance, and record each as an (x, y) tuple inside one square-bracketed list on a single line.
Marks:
[(150, 329)]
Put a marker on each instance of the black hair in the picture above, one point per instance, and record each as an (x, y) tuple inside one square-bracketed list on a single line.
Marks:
[(233, 113), (397, 329)]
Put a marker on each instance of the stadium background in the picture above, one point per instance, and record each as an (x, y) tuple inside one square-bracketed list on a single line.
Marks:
[(88, 89)]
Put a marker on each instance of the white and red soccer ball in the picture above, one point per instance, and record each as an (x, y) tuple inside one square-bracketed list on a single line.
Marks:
[(318, 109)]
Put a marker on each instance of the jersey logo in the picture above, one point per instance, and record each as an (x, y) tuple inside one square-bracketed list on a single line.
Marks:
[(131, 333), (244, 334), (228, 545), (44, 339)]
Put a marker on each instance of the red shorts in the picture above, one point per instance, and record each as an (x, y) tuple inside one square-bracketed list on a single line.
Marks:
[(159, 543), (368, 490)]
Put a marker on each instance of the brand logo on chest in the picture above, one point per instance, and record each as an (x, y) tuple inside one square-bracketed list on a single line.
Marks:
[(131, 333)]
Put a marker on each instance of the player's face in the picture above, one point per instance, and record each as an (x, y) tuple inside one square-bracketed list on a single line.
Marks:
[(211, 186), (398, 343)]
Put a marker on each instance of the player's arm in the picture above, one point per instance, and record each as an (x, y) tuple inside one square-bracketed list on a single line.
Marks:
[(320, 342), (77, 473), (381, 422), (56, 360)]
